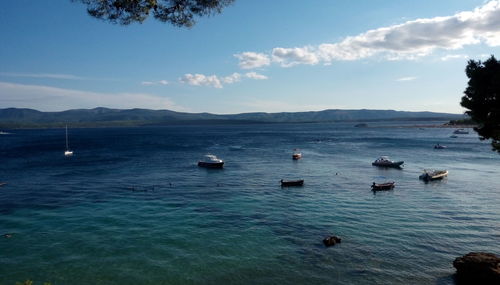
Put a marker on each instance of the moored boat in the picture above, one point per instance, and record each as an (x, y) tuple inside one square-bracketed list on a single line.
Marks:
[(296, 155), (211, 161), (438, 146), (67, 152), (362, 125), (461, 132), (287, 183), (430, 175), (384, 161), (383, 186)]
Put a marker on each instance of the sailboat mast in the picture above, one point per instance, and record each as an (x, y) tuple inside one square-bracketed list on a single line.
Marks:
[(67, 137)]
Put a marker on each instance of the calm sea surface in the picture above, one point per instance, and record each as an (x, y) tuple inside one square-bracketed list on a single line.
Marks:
[(132, 207)]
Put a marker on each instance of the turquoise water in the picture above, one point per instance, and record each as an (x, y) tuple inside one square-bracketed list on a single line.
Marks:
[(132, 207)]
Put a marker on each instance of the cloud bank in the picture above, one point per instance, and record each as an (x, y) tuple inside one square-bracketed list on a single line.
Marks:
[(249, 60), (44, 75), (410, 40), (47, 98), (216, 81), (454, 56), (151, 83), (409, 78)]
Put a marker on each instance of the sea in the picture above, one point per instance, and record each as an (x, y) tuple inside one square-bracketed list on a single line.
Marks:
[(132, 206)]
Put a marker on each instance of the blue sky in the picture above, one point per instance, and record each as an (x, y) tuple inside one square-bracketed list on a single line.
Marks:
[(257, 55)]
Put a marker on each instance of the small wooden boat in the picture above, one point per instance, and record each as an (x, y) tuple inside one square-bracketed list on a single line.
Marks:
[(211, 161), (384, 161), (362, 125), (286, 183), (430, 175), (383, 186), (296, 154)]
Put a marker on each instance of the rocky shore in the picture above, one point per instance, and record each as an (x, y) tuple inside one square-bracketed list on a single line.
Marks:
[(478, 268)]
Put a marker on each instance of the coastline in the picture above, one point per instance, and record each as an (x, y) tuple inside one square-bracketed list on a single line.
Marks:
[(432, 126)]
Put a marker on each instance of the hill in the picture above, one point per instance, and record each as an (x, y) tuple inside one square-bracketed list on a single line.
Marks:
[(100, 117)]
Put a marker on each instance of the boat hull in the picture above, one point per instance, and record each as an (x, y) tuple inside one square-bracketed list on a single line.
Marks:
[(432, 177), (395, 164), (292, 183), (383, 186), (211, 164)]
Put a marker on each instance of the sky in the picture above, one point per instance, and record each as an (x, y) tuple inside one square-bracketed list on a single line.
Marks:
[(256, 56)]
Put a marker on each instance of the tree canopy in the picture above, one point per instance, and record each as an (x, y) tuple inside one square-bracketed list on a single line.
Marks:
[(482, 98), (180, 13)]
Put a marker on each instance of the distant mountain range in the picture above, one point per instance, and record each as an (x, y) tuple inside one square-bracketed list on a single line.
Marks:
[(101, 117)]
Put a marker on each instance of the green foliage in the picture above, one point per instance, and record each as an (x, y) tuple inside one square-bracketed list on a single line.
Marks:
[(180, 13), (27, 282), (482, 98), (30, 282), (468, 121)]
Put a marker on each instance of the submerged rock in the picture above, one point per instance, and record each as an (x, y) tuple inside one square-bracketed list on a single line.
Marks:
[(331, 240), (478, 268)]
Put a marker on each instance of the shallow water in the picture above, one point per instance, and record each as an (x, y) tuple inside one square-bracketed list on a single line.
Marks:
[(132, 207)]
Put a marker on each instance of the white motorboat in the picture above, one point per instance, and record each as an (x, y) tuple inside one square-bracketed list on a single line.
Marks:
[(211, 161), (461, 132), (384, 161)]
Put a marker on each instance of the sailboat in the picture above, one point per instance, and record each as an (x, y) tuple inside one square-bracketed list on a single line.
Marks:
[(67, 152)]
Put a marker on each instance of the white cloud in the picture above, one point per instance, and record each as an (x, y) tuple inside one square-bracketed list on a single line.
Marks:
[(48, 98), (150, 83), (200, 79), (255, 75), (410, 40), (216, 81), (454, 56), (292, 56), (44, 75), (409, 78), (235, 77), (249, 60)]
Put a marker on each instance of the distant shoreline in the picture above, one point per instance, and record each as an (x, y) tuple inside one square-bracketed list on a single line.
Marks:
[(103, 117), (448, 126), (223, 123)]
